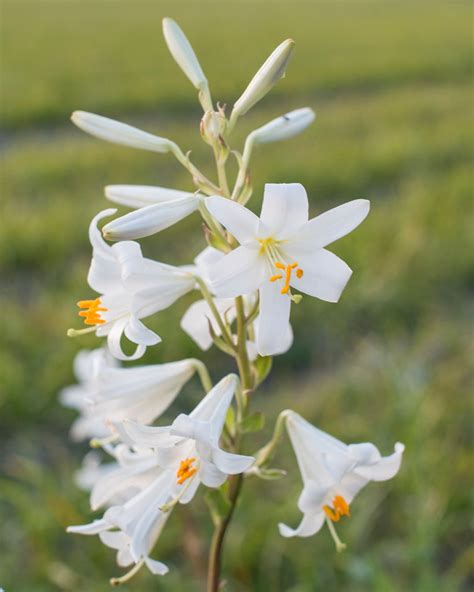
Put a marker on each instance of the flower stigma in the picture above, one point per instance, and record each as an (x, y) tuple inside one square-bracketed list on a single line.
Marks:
[(339, 508), (186, 470), (91, 312)]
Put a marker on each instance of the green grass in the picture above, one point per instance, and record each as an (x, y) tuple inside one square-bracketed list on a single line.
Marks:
[(391, 85)]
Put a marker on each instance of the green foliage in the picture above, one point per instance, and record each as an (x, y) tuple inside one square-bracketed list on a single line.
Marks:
[(390, 83)]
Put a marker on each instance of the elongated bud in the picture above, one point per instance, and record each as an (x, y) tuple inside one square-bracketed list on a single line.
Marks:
[(120, 133), (184, 55), (140, 196), (284, 127), (213, 126), (151, 219), (268, 75)]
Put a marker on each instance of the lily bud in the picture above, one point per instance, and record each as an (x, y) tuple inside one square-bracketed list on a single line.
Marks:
[(151, 219), (284, 127), (140, 196), (213, 126), (268, 75), (120, 133), (184, 55)]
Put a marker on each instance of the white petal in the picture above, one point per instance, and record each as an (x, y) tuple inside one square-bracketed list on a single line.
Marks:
[(239, 221), (151, 219), (284, 209), (188, 427), (240, 272), (114, 540), (331, 225), (104, 272), (210, 475), (114, 338), (140, 196), (136, 331), (197, 318), (124, 559), (191, 489), (309, 525), (325, 275), (119, 133), (214, 406), (272, 336), (230, 463), (312, 497), (156, 567), (92, 528), (386, 468), (148, 436)]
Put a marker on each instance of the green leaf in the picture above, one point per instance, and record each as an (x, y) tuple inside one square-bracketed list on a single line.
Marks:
[(263, 365), (218, 505), (253, 422)]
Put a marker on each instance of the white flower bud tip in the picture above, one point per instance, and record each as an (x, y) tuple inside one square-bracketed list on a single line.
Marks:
[(284, 127)]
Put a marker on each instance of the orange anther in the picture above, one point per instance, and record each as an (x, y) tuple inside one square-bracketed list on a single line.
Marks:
[(279, 265), (276, 277), (299, 273), (340, 508), (186, 470), (91, 313)]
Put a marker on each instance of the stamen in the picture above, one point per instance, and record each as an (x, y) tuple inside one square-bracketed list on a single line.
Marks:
[(276, 277), (299, 273), (186, 470), (279, 265), (340, 508), (92, 311)]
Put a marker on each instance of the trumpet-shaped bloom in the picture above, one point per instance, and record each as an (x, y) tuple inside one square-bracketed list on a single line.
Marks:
[(131, 287), (333, 473), (133, 528), (107, 393), (282, 250), (190, 446)]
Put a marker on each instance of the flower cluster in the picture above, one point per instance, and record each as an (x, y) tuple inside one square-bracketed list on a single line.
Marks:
[(247, 278)]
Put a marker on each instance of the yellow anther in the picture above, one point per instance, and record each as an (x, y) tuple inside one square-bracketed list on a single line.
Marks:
[(340, 508), (186, 470), (91, 313)]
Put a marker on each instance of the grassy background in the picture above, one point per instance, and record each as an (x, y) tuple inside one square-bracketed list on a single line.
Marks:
[(391, 85)]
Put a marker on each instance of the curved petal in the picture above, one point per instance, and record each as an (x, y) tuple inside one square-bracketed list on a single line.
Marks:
[(136, 332), (312, 497), (272, 336), (309, 525), (148, 436), (104, 272), (92, 528), (198, 317), (230, 463), (156, 567), (114, 540), (239, 221), (114, 338), (284, 209), (240, 272), (191, 488), (331, 225), (324, 275), (124, 558), (386, 468), (210, 475), (188, 427)]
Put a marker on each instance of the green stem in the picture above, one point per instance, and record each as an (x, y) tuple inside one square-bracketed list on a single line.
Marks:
[(210, 301), (204, 376)]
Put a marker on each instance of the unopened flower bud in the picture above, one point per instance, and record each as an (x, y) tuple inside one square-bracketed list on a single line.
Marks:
[(120, 133), (284, 127), (267, 76), (184, 55), (213, 126)]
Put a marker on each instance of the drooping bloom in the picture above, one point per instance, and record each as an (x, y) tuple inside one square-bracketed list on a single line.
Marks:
[(282, 250), (131, 287), (190, 446), (133, 527), (333, 473), (106, 393)]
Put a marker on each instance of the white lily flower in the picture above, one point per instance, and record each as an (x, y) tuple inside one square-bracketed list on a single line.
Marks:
[(131, 287), (183, 53), (265, 79), (120, 133), (141, 196), (133, 528), (107, 394), (190, 446), (151, 219), (333, 474), (282, 250), (283, 127)]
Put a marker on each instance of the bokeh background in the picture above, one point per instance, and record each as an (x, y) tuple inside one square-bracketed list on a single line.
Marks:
[(391, 84)]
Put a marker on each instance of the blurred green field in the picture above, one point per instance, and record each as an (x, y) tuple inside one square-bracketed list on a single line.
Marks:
[(391, 83)]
